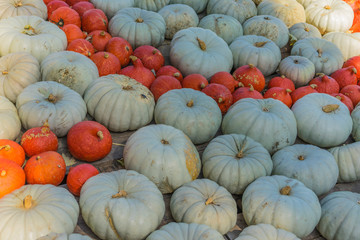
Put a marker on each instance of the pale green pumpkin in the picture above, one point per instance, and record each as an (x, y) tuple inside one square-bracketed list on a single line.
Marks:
[(64, 236), (198, 5), (110, 7), (151, 5), (303, 30), (299, 69), (10, 125), (265, 232), (355, 116)]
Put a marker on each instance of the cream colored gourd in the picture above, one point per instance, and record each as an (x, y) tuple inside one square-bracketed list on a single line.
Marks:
[(234, 161), (110, 7), (69, 68), (282, 202), (177, 17), (256, 50), (305, 3), (303, 30), (50, 101), (64, 236), (185, 231), (12, 8), (170, 158), (330, 15), (17, 71), (35, 210), (191, 111), (348, 43), (115, 204), (265, 232), (297, 68), (119, 102), (151, 5), (198, 5), (10, 124), (203, 201), (225, 26), (31, 34), (289, 11), (268, 26)]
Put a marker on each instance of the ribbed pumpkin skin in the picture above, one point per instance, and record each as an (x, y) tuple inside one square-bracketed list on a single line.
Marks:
[(198, 6), (81, 46), (64, 236), (303, 30), (23, 7), (151, 5), (10, 125), (110, 7), (12, 150), (348, 43), (12, 176), (265, 232), (299, 69)]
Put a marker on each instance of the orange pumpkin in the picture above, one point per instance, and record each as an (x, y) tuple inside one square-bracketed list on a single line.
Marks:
[(170, 71), (282, 82), (94, 19), (53, 5), (226, 79), (280, 94), (220, 94), (81, 46), (121, 49), (302, 91), (195, 81), (82, 7), (249, 74), (73, 2), (13, 151), (246, 92), (73, 32), (65, 15), (150, 56), (12, 176), (163, 84), (107, 63), (99, 39), (345, 100), (78, 175)]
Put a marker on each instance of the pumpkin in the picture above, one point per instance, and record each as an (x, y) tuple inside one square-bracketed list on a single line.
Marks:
[(203, 201), (234, 161), (150, 57), (64, 236), (311, 165), (355, 62), (345, 76), (78, 175), (151, 5), (348, 43), (119, 190), (195, 81), (281, 81), (220, 94), (197, 50), (297, 68), (13, 151), (73, 2), (89, 141), (69, 68), (12, 176), (99, 39), (325, 84), (39, 139), (106, 63), (303, 30), (94, 19), (246, 92), (345, 100), (185, 231), (267, 121), (81, 46), (121, 49), (282, 202), (10, 8), (305, 3), (280, 94), (225, 26), (110, 7), (65, 15), (18, 70), (170, 71), (257, 50), (327, 113), (302, 91), (338, 208), (191, 111), (198, 6), (61, 106), (356, 123), (240, 10), (163, 84), (138, 27), (171, 158), (289, 11), (250, 75), (138, 72), (82, 7), (226, 79), (73, 32), (264, 231), (120, 103), (33, 35), (53, 5), (330, 15), (55, 209), (177, 17), (325, 55), (10, 125), (268, 26), (352, 92)]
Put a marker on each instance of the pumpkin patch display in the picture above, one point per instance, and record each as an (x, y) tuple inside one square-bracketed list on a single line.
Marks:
[(121, 49), (13, 151), (138, 72), (120, 190), (325, 84), (12, 176), (150, 57), (171, 158), (203, 201), (250, 75), (110, 7), (10, 124), (78, 175), (264, 231), (297, 68), (23, 7), (195, 81)]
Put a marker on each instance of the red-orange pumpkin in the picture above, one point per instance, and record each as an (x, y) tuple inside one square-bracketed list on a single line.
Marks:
[(73, 2), (99, 39), (302, 91), (12, 151), (73, 32), (48, 1), (170, 71), (53, 5), (121, 49), (163, 84), (106, 63), (94, 19), (352, 92), (344, 99), (12, 176), (280, 94), (82, 7), (195, 81), (78, 175), (246, 92), (325, 84), (345, 76), (282, 82), (81, 46), (150, 56), (138, 72), (220, 94), (249, 74), (355, 62), (65, 15), (226, 79), (89, 141)]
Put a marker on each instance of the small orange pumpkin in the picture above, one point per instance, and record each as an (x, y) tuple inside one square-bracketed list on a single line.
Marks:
[(12, 176), (81, 46), (78, 175), (13, 151), (121, 49), (195, 81), (107, 63), (65, 15), (73, 32)]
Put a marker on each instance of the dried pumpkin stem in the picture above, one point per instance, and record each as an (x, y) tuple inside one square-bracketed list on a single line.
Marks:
[(240, 154), (100, 135), (51, 98), (127, 87), (139, 20), (6, 147), (327, 7), (5, 72), (319, 52), (306, 29), (120, 194), (210, 200), (301, 157), (119, 144), (27, 202), (165, 142), (260, 44), (133, 58), (190, 103), (330, 108), (202, 44), (285, 190), (19, 4), (220, 100)]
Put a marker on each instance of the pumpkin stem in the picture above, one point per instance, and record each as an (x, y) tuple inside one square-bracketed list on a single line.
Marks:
[(319, 52), (139, 20), (102, 34), (240, 154), (210, 200), (127, 87), (260, 44), (251, 65), (120, 194), (301, 158), (265, 109), (176, 74), (354, 71), (285, 190), (220, 100), (133, 58), (240, 84), (19, 4), (38, 157), (313, 86), (296, 61), (3, 173), (27, 202), (338, 97), (251, 88), (190, 103), (201, 44), (5, 72), (330, 108), (202, 85), (28, 30), (106, 55), (51, 98), (320, 74), (266, 18), (6, 147), (306, 29), (282, 76), (119, 144), (327, 7), (288, 90), (100, 135), (46, 123), (163, 141)]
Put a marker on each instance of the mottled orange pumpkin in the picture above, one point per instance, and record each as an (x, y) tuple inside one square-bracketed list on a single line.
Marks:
[(280, 94), (73, 32), (282, 82), (249, 74), (325, 84), (53, 5), (107, 63), (302, 91), (220, 94), (12, 176), (12, 151), (345, 100), (94, 19), (195, 81), (82, 7), (163, 84), (78, 175), (138, 72), (121, 49), (81, 46), (226, 79), (170, 71), (65, 15), (150, 56), (99, 39), (246, 92)]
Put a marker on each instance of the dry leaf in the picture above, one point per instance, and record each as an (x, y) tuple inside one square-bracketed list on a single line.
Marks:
[(69, 160)]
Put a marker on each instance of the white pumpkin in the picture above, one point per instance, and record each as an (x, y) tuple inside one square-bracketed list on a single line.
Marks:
[(198, 50), (170, 158), (18, 70), (138, 27), (289, 11), (234, 161), (348, 43), (13, 8), (10, 124), (191, 111), (110, 7), (268, 26), (348, 160), (311, 165), (340, 213), (283, 202), (325, 55), (177, 17), (267, 121), (303, 30), (69, 68), (115, 204), (264, 231), (185, 231), (119, 102), (203, 201), (50, 101), (35, 210), (297, 68), (239, 9), (322, 120), (151, 5), (305, 3), (355, 116), (198, 5), (330, 15), (31, 34), (256, 50), (64, 236), (225, 26)]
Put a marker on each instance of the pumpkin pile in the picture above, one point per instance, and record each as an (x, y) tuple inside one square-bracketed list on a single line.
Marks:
[(252, 99)]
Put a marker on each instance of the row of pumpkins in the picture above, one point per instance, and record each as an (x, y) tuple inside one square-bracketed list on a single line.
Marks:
[(280, 182)]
